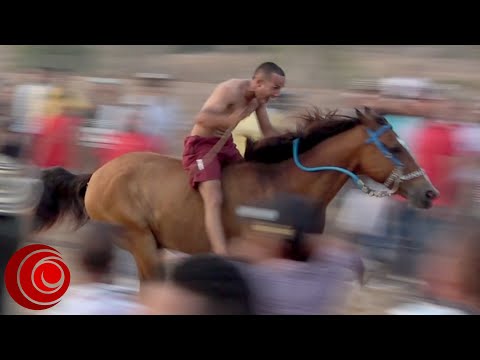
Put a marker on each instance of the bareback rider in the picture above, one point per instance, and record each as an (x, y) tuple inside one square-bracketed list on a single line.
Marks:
[(210, 146)]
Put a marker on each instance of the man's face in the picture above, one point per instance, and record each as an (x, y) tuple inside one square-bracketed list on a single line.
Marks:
[(268, 86)]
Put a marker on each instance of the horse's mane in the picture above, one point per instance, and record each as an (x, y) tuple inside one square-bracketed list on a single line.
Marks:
[(316, 128)]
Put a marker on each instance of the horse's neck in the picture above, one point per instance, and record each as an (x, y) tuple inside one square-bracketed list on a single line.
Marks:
[(340, 151)]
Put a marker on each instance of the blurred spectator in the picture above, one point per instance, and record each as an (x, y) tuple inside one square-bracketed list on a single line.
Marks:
[(28, 106), (468, 194), (368, 228), (108, 113), (468, 175), (6, 97), (160, 109), (129, 140), (450, 274), (56, 143), (20, 192), (97, 295), (291, 270), (12, 236), (436, 155), (408, 227), (198, 285)]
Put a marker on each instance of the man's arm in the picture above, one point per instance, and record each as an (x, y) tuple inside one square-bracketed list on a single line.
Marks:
[(264, 122)]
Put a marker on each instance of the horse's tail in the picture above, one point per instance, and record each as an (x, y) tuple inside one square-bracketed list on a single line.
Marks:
[(63, 194)]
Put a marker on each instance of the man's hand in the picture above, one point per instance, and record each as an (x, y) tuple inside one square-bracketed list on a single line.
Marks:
[(264, 122)]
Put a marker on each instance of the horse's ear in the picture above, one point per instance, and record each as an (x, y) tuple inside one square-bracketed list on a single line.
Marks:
[(369, 116), (373, 112)]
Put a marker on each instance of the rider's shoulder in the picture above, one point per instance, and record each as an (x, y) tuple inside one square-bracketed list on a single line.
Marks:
[(233, 84)]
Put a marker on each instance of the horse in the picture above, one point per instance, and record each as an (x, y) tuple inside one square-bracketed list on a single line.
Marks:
[(148, 194)]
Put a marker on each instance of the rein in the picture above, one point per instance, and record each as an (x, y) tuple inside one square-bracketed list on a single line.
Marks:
[(395, 178)]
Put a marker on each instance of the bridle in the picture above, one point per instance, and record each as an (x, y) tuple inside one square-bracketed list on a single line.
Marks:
[(393, 181)]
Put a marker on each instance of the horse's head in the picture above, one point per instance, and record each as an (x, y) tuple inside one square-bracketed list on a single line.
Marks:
[(372, 148), (386, 159)]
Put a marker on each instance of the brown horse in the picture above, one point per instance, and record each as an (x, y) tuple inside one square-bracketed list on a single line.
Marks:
[(150, 196)]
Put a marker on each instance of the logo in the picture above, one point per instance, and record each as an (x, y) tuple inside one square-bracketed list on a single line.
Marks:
[(37, 277)]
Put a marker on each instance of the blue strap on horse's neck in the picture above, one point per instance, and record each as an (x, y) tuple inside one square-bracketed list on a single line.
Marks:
[(374, 137)]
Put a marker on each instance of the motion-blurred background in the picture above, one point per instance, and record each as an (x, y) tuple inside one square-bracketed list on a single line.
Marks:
[(78, 106)]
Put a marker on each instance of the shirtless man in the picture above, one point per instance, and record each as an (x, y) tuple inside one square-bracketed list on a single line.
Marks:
[(230, 102)]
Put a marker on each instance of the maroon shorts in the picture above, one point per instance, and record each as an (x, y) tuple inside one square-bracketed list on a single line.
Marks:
[(196, 147)]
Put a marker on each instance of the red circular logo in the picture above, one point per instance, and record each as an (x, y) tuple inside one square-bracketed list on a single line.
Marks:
[(36, 277)]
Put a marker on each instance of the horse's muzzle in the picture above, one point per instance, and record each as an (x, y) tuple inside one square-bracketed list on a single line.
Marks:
[(423, 199), (432, 194)]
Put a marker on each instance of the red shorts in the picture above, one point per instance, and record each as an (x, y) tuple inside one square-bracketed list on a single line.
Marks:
[(196, 147)]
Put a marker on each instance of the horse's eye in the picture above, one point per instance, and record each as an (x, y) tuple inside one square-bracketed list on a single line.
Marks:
[(395, 149)]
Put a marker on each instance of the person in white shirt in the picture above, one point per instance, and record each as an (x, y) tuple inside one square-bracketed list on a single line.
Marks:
[(97, 295)]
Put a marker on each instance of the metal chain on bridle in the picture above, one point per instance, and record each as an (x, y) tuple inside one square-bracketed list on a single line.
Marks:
[(394, 180)]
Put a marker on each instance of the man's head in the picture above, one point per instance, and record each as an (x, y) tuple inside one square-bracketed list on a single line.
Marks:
[(199, 285), (268, 80), (281, 225), (97, 251)]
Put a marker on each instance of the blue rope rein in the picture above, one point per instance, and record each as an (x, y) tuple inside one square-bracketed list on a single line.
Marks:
[(374, 138), (354, 177)]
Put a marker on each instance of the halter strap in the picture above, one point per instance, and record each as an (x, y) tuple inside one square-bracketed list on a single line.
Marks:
[(375, 139)]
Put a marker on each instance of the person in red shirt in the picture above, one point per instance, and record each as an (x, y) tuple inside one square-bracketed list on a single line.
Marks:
[(130, 140), (434, 149), (56, 143), (433, 145)]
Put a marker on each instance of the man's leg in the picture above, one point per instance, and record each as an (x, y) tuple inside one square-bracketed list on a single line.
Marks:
[(211, 192)]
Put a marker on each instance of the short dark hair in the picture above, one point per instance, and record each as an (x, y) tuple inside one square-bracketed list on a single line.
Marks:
[(218, 280), (269, 68)]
